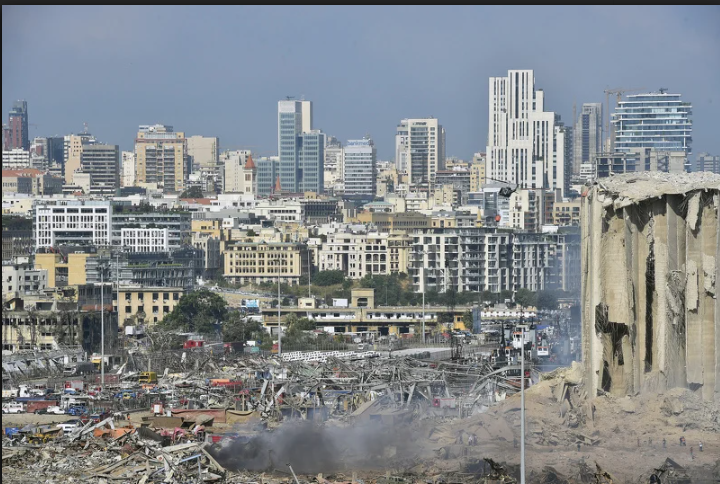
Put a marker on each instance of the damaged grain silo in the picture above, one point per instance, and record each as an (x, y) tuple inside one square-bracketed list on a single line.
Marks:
[(650, 252)]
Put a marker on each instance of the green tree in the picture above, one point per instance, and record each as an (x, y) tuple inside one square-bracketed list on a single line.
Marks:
[(251, 233), (525, 298), (467, 320), (547, 300), (192, 192), (237, 328), (328, 278), (197, 311)]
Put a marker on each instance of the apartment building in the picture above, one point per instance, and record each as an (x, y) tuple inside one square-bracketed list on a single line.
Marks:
[(358, 255), (250, 261)]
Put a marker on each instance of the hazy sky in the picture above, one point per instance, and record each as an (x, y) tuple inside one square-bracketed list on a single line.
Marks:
[(220, 71)]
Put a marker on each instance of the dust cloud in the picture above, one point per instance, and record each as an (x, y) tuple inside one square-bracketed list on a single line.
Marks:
[(312, 448)]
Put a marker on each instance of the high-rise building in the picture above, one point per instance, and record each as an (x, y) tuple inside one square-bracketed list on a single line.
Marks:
[(522, 148), (653, 120), (707, 162), (72, 150), (312, 161), (333, 163), (420, 150), (301, 149), (16, 134), (102, 163), (360, 161), (477, 172), (587, 136), (268, 175), (127, 177), (203, 153), (161, 157)]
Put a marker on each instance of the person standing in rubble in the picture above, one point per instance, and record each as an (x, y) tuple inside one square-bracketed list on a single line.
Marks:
[(700, 446), (692, 456)]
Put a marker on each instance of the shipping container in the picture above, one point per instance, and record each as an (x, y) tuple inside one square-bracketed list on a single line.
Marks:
[(32, 406)]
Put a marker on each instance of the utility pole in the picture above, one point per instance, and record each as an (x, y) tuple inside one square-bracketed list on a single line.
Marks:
[(522, 407), (279, 325), (102, 329)]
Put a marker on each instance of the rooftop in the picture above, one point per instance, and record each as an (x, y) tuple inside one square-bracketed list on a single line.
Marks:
[(636, 187)]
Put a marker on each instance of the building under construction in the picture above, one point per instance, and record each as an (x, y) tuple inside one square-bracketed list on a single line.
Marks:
[(650, 246)]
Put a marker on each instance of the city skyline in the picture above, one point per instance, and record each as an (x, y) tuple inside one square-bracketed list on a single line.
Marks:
[(237, 101)]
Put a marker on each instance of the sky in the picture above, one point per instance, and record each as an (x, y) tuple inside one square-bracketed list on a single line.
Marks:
[(221, 70)]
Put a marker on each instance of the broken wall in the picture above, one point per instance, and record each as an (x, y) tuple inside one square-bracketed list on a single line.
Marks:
[(649, 272)]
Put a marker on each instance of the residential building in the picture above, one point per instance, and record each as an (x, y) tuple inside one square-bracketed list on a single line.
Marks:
[(161, 157), (587, 136), (30, 181), (20, 278), (477, 172), (394, 222), (102, 163), (359, 164), (177, 224), (17, 238), (567, 213), (420, 149), (146, 306), (17, 135), (359, 255), (334, 169), (522, 146), (144, 240), (251, 261), (73, 145), (15, 159), (203, 153), (707, 162), (127, 178), (235, 165)]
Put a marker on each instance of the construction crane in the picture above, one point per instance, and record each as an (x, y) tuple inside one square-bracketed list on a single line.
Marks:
[(618, 91)]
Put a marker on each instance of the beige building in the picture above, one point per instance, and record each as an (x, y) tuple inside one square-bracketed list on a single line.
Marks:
[(63, 272), (359, 255), (250, 261), (477, 172), (363, 316), (240, 173), (203, 152), (394, 222), (30, 181), (566, 213), (161, 157), (446, 195), (146, 305)]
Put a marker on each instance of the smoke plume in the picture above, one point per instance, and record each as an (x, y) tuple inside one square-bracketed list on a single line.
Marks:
[(311, 448)]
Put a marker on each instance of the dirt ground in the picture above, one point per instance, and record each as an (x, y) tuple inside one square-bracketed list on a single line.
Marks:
[(623, 435)]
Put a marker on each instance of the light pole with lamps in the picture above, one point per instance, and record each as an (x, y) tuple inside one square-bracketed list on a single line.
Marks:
[(424, 253), (102, 268)]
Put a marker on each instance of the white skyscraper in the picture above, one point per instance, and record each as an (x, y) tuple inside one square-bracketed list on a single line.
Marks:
[(360, 161), (522, 148), (420, 149)]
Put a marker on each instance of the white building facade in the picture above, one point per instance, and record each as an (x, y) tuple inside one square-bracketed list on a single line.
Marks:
[(73, 222), (522, 147), (144, 240)]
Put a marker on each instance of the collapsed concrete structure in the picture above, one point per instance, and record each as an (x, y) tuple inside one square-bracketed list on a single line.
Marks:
[(650, 252)]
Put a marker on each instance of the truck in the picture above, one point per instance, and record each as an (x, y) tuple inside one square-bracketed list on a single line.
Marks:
[(147, 377)]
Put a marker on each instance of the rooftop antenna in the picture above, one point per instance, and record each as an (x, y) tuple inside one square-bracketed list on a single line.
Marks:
[(85, 128)]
